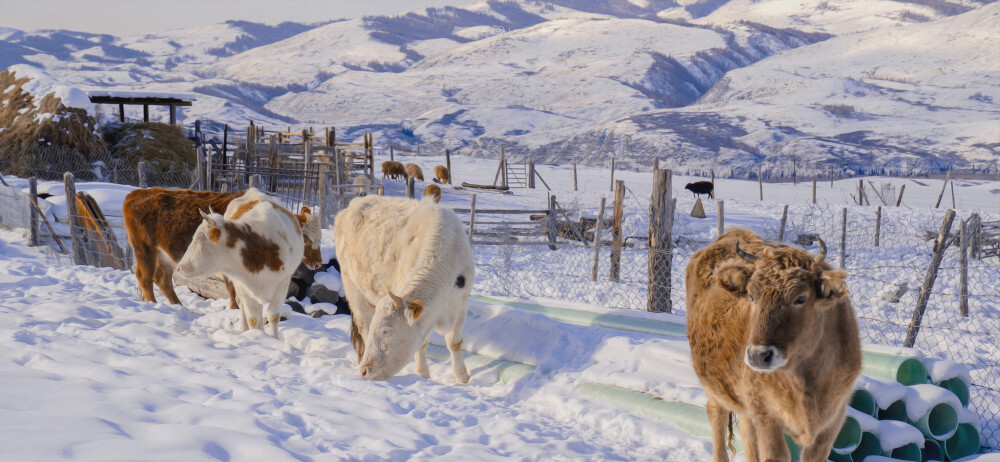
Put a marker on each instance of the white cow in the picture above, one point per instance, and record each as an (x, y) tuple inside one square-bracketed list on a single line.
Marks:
[(257, 245), (407, 269)]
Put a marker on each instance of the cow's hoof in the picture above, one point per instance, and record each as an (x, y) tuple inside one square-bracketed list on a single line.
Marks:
[(464, 378)]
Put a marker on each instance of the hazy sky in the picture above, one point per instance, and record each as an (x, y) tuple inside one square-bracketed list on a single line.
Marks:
[(127, 17)]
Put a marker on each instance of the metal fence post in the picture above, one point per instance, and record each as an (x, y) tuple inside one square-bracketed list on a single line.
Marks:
[(661, 222), (940, 244), (597, 240)]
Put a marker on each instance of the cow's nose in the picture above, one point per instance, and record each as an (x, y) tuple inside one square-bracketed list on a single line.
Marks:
[(364, 372), (760, 357)]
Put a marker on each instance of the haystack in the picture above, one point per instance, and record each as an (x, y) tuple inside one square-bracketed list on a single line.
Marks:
[(163, 147)]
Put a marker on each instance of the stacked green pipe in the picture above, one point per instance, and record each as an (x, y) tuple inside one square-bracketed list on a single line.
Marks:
[(950, 432)]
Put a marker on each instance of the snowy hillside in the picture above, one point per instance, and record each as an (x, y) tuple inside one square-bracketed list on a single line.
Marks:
[(723, 84)]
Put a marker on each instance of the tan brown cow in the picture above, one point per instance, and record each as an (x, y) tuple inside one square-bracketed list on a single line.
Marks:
[(434, 191), (773, 339), (160, 223), (414, 171), (393, 170), (442, 175)]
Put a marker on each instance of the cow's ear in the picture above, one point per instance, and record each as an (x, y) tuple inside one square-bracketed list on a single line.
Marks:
[(413, 311), (733, 275), (832, 283), (305, 211), (209, 218)]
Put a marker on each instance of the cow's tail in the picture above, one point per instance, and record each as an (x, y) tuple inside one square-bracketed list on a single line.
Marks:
[(732, 435), (357, 340)]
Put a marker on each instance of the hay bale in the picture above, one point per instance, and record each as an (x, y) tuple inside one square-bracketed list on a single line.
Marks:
[(163, 147)]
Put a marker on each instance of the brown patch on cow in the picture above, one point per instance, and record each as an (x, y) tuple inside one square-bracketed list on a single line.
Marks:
[(244, 209), (416, 307), (214, 234), (166, 219), (311, 254), (257, 252), (455, 346), (252, 322)]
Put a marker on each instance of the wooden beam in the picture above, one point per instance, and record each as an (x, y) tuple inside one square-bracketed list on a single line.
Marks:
[(139, 100), (145, 113), (173, 114), (121, 113)]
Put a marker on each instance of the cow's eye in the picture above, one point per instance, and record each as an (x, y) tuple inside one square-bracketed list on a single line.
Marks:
[(800, 301), (750, 297)]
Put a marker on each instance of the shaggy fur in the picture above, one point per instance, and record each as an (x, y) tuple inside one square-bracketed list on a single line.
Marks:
[(434, 191), (734, 304), (413, 171), (393, 170), (257, 252), (416, 251), (442, 175)]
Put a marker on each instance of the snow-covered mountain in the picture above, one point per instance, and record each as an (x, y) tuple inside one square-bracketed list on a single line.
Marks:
[(704, 84)]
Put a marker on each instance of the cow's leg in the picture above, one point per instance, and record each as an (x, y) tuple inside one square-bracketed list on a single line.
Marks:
[(748, 433), (454, 340), (164, 277), (820, 447), (145, 266), (274, 309), (771, 440), (718, 420), (361, 314), (423, 370), (250, 309)]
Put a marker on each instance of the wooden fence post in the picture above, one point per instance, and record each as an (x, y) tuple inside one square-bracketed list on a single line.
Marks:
[(861, 191), (392, 152), (661, 221), (33, 193), (472, 218), (612, 174), (814, 190), (616, 231), (760, 182), (410, 182), (720, 219), (975, 228), (713, 181), (900, 200), (225, 143), (256, 181), (878, 224), (963, 275), (447, 164), (273, 156), (551, 225), (142, 174), (503, 167), (199, 169), (843, 238), (947, 176), (326, 199), (781, 230), (597, 240), (953, 195), (940, 244), (574, 176), (307, 164), (531, 173), (75, 227)]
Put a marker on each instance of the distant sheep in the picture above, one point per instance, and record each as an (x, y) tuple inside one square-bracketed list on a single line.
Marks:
[(434, 191), (701, 187), (413, 171), (442, 175), (393, 170)]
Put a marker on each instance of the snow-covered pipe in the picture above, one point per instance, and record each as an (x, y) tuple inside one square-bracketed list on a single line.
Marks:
[(895, 411), (900, 440), (933, 449), (907, 370), (690, 418), (507, 371), (933, 410), (871, 445), (591, 318), (863, 401), (965, 442), (849, 437), (949, 375), (910, 452), (957, 386)]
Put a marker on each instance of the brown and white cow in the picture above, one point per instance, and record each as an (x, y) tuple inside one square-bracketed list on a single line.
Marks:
[(773, 339), (160, 223), (408, 270), (257, 245)]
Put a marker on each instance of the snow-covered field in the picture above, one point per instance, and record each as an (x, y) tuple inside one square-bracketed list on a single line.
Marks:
[(92, 373)]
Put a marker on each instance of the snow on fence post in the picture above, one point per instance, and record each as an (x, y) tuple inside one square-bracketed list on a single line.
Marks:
[(612, 174), (940, 244), (963, 274), (843, 238), (878, 224), (661, 222), (597, 240), (552, 228), (410, 182), (784, 219), (142, 174), (447, 165), (616, 231), (472, 218), (33, 228), (947, 176), (900, 200), (720, 219), (69, 185)]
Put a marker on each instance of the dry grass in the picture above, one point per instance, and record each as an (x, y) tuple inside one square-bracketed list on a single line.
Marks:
[(25, 126), (162, 146)]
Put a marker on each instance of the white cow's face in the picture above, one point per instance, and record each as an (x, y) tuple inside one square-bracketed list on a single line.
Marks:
[(203, 257), (393, 337)]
